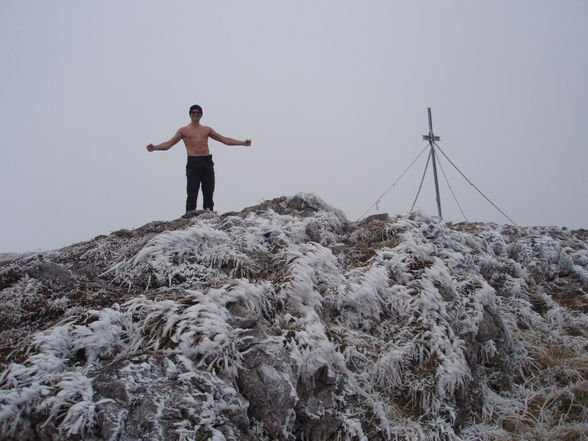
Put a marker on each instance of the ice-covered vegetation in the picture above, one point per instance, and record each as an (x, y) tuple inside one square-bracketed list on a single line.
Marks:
[(287, 322)]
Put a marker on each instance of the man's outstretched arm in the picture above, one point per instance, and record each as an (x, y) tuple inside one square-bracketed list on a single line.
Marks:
[(166, 145), (228, 141)]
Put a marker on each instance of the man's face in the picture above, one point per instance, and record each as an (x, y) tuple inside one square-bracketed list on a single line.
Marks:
[(195, 115)]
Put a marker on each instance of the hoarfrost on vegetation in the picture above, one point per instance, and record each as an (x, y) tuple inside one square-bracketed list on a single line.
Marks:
[(286, 321)]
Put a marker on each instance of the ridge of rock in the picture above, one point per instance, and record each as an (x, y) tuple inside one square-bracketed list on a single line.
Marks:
[(286, 321)]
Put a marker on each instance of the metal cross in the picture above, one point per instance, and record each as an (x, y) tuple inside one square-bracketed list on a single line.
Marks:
[(432, 138)]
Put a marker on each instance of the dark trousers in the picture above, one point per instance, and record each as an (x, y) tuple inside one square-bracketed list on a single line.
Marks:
[(199, 170)]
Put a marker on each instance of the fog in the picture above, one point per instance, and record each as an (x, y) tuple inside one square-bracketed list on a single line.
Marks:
[(333, 94)]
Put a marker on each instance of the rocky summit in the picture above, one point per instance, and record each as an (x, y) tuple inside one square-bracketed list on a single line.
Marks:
[(286, 321)]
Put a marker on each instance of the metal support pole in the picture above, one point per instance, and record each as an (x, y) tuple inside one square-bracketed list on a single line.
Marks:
[(432, 138)]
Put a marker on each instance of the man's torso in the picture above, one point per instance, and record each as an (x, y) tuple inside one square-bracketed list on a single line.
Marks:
[(196, 139)]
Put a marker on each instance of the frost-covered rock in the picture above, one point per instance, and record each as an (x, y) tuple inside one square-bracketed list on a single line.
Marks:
[(288, 322)]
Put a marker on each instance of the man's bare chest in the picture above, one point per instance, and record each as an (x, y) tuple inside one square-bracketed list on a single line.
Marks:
[(199, 134)]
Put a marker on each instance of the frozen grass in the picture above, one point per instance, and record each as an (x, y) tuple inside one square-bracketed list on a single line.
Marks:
[(418, 330)]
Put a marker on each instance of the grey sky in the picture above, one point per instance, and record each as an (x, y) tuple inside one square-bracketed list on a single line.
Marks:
[(334, 95)]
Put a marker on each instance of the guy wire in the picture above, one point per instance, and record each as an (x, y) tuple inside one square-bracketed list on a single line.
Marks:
[(422, 180), (395, 182), (470, 182), (452, 193)]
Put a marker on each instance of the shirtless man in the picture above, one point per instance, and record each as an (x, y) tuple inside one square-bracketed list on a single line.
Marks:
[(200, 168)]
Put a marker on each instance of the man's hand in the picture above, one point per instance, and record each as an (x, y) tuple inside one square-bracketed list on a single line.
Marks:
[(167, 144)]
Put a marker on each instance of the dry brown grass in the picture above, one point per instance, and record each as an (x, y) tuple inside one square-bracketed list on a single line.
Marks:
[(556, 407)]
